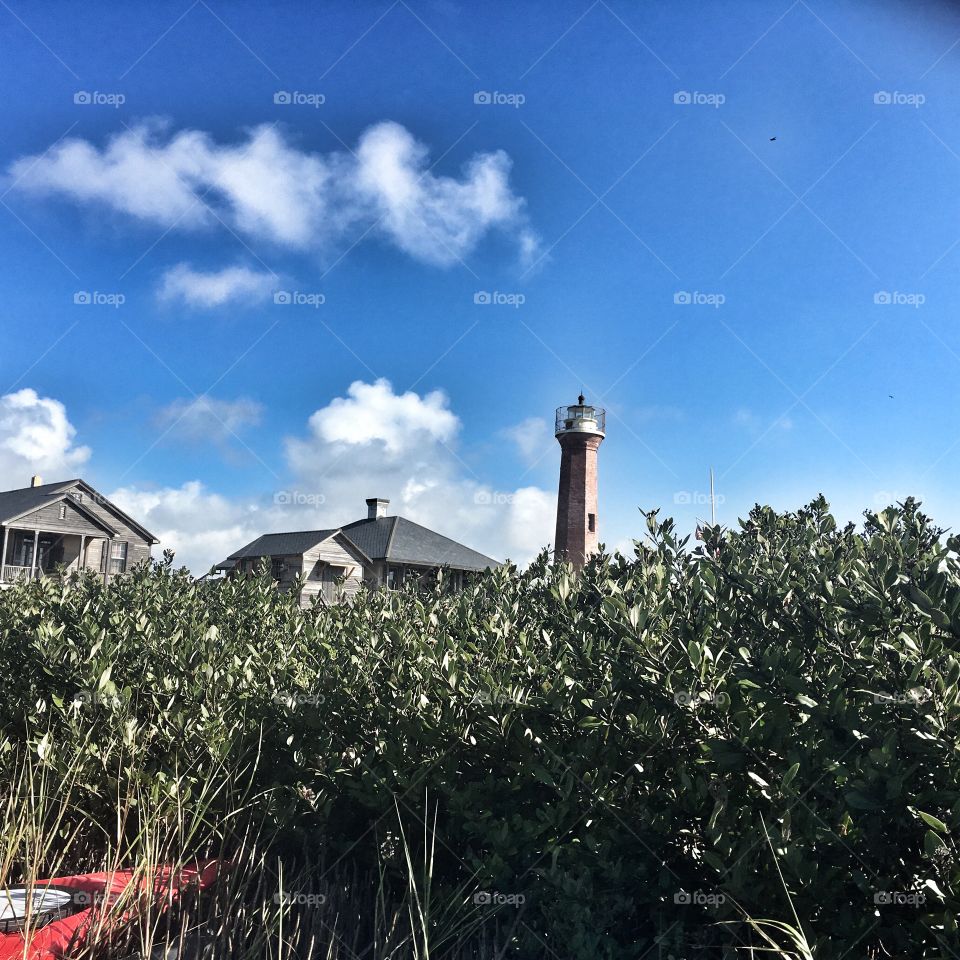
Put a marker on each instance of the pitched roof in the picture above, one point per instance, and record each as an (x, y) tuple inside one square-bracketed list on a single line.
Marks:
[(403, 541), (15, 503), (282, 544)]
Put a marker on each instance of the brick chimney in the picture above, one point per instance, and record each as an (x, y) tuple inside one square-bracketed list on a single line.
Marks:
[(580, 431), (376, 508), (35, 481)]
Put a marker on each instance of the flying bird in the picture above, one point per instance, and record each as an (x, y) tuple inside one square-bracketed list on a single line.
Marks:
[(772, 139)]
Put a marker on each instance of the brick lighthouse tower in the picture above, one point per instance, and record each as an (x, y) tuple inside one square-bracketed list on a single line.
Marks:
[(580, 431)]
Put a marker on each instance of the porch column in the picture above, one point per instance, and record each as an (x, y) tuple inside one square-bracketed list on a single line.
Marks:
[(3, 556), (82, 559), (108, 549), (33, 558)]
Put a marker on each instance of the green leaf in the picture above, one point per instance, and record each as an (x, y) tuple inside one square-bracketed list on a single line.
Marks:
[(931, 821), (789, 775), (932, 843)]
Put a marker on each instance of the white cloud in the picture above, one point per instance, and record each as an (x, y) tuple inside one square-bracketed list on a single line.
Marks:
[(267, 188), (533, 437), (208, 419), (214, 289), (373, 412), (201, 527), (36, 435)]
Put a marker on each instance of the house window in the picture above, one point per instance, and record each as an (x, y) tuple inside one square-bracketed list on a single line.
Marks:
[(394, 577), (592, 522), (77, 495), (63, 511), (277, 566), (20, 551), (118, 556)]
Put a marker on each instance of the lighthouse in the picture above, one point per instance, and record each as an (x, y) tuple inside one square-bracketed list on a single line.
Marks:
[(580, 431)]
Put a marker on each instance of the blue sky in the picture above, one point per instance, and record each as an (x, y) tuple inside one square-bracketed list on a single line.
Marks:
[(733, 301)]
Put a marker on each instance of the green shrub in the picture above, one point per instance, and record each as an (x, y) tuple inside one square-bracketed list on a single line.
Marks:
[(602, 749)]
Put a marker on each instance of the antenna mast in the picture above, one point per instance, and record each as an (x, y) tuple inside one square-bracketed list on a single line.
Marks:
[(713, 511)]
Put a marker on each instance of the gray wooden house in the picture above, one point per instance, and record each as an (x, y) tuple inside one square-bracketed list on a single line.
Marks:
[(377, 551), (66, 526)]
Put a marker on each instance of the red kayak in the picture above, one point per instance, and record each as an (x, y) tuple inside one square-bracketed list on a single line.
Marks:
[(62, 909)]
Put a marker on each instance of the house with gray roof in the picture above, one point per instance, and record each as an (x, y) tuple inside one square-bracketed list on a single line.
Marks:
[(378, 551), (66, 526)]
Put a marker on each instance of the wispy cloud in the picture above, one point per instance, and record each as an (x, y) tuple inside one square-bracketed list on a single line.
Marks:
[(214, 289), (206, 419), (266, 188)]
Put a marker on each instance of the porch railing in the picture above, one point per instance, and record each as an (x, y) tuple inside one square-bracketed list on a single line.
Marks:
[(10, 572)]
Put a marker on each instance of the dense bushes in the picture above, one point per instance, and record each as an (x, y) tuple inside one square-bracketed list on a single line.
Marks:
[(625, 757)]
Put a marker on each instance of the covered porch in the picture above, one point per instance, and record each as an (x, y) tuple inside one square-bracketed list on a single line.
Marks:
[(28, 554)]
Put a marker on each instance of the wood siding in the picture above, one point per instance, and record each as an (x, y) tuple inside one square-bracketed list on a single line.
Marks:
[(327, 563), (47, 519)]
